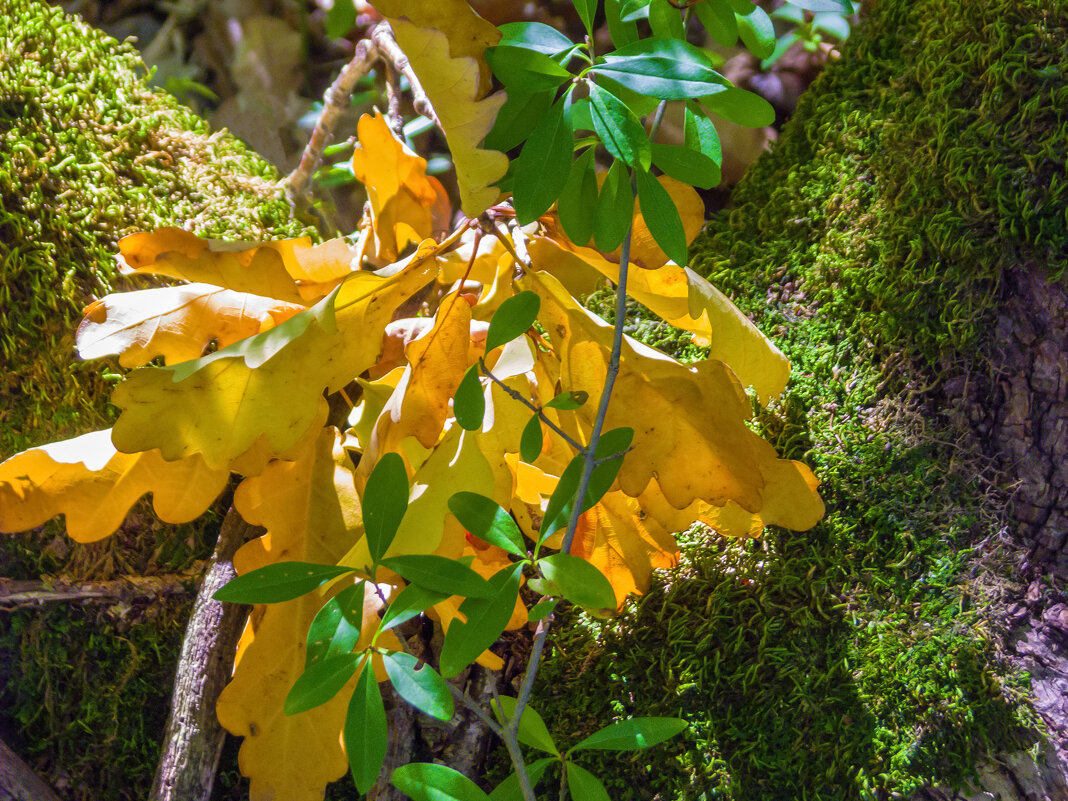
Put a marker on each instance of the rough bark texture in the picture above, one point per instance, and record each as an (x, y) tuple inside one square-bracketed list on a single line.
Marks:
[(194, 738), (18, 782)]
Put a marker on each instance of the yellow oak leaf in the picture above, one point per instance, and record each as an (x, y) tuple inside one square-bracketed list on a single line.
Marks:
[(291, 270), (684, 299), (94, 486), (453, 83), (401, 195), (270, 385), (690, 436), (311, 513), (176, 322)]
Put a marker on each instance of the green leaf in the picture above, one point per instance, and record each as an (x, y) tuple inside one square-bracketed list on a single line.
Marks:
[(686, 165), (587, 10), (280, 582), (366, 732), (757, 32), (789, 13), (579, 581), (834, 24), (532, 729), (340, 19), (486, 619), (319, 683), (543, 165), (741, 107), (619, 129), (666, 21), (615, 208), (512, 319), (421, 687), (484, 518), (670, 69), (782, 44), (583, 785), (532, 440), (840, 6), (508, 790), (621, 32), (534, 36), (411, 601), (578, 201), (439, 574), (469, 404), (385, 500), (701, 133), (634, 10), (662, 218), (633, 734), (569, 401), (336, 627), (742, 7), (425, 781), (526, 71), (517, 118), (541, 609), (718, 19)]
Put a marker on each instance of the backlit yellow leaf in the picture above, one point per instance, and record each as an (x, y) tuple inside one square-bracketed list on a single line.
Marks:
[(91, 483)]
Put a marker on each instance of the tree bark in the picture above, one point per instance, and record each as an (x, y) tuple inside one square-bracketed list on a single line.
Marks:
[(194, 738), (18, 782)]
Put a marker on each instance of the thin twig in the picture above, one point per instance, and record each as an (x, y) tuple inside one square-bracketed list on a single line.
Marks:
[(128, 588), (394, 118), (388, 49), (335, 100), (516, 395)]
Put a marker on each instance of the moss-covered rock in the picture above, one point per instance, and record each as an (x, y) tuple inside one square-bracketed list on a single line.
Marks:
[(851, 661), (88, 154)]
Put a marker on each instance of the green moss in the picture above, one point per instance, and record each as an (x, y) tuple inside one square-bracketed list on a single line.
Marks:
[(850, 661), (89, 154)]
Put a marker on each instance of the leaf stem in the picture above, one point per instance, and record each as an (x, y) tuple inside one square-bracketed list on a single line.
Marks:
[(515, 395)]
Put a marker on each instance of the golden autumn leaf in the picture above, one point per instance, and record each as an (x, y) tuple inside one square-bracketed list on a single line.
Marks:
[(176, 322), (453, 82), (268, 386), (310, 510), (690, 436), (94, 486), (401, 195)]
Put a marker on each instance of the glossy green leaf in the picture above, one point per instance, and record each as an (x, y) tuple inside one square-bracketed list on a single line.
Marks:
[(834, 24), (319, 683), (615, 208), (541, 609), (543, 165), (757, 32), (385, 500), (366, 733), (718, 19), (839, 6), (634, 10), (741, 107), (469, 404), (633, 734), (512, 319), (666, 20), (578, 580), (619, 129), (421, 687), (439, 574), (578, 200), (621, 32), (583, 785), (279, 582), (569, 401), (587, 10), (670, 69), (340, 19), (526, 71), (534, 36), (517, 118), (485, 519), (686, 165), (662, 218), (411, 601), (425, 781), (701, 133), (486, 619), (742, 7), (532, 729), (508, 790), (532, 440), (336, 627)]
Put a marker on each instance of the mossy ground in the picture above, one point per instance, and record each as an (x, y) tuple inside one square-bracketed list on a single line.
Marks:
[(851, 661)]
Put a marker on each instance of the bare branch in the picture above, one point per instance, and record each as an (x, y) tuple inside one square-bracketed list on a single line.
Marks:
[(14, 594), (388, 49)]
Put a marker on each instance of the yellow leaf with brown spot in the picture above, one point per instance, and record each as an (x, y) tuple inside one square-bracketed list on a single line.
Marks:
[(94, 486), (402, 198), (175, 322), (690, 437), (452, 81), (270, 385)]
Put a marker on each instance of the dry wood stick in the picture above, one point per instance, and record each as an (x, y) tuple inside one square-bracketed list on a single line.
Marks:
[(18, 782)]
